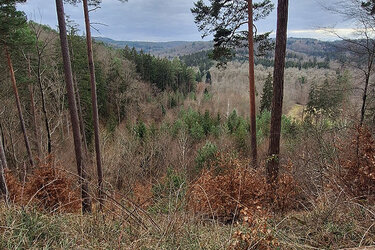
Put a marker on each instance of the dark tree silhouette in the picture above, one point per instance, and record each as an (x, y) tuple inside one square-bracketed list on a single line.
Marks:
[(278, 91)]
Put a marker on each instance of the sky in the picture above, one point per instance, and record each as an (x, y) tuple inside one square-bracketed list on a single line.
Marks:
[(171, 20)]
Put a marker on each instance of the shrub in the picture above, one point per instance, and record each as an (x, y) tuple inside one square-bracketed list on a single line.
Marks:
[(229, 186), (241, 134), (197, 131), (263, 125), (50, 189), (232, 121), (255, 232), (15, 188), (169, 192), (289, 128), (205, 154), (47, 187), (177, 126), (357, 172)]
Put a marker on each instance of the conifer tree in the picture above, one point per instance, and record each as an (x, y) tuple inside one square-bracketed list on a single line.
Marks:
[(12, 26), (94, 99), (273, 161), (231, 23), (266, 99), (86, 203)]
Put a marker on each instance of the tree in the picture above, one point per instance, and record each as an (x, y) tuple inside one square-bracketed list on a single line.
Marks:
[(226, 20), (253, 129), (266, 99), (13, 23), (278, 91), (208, 77), (360, 51), (86, 203), (327, 98), (369, 6), (40, 46), (94, 101)]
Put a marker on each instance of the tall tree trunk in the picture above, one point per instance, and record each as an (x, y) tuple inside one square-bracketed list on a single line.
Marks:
[(3, 165), (86, 202), (94, 102), (78, 97), (278, 91), (22, 121), (253, 132)]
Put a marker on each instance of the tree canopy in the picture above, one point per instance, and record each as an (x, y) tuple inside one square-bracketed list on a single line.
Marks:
[(227, 21), (369, 6), (11, 21)]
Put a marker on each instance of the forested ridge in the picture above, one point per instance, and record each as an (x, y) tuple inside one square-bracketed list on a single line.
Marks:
[(243, 142)]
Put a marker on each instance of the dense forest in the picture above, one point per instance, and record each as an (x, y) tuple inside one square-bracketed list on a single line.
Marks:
[(243, 142)]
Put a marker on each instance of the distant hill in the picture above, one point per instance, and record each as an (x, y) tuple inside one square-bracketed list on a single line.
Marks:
[(313, 47), (307, 46), (164, 49)]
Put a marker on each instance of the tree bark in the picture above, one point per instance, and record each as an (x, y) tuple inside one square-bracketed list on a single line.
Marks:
[(278, 92), (253, 132), (18, 103), (86, 202), (94, 102)]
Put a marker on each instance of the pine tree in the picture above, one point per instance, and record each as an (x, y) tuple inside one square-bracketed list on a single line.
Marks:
[(226, 19), (266, 98), (94, 102), (278, 91), (12, 26), (86, 203)]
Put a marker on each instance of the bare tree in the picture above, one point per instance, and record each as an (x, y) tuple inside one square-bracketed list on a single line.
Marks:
[(360, 49), (40, 49), (33, 111), (278, 91), (86, 202)]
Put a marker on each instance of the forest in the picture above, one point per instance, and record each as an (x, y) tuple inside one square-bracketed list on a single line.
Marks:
[(249, 141)]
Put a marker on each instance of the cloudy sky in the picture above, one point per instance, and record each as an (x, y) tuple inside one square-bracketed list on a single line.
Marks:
[(171, 20)]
